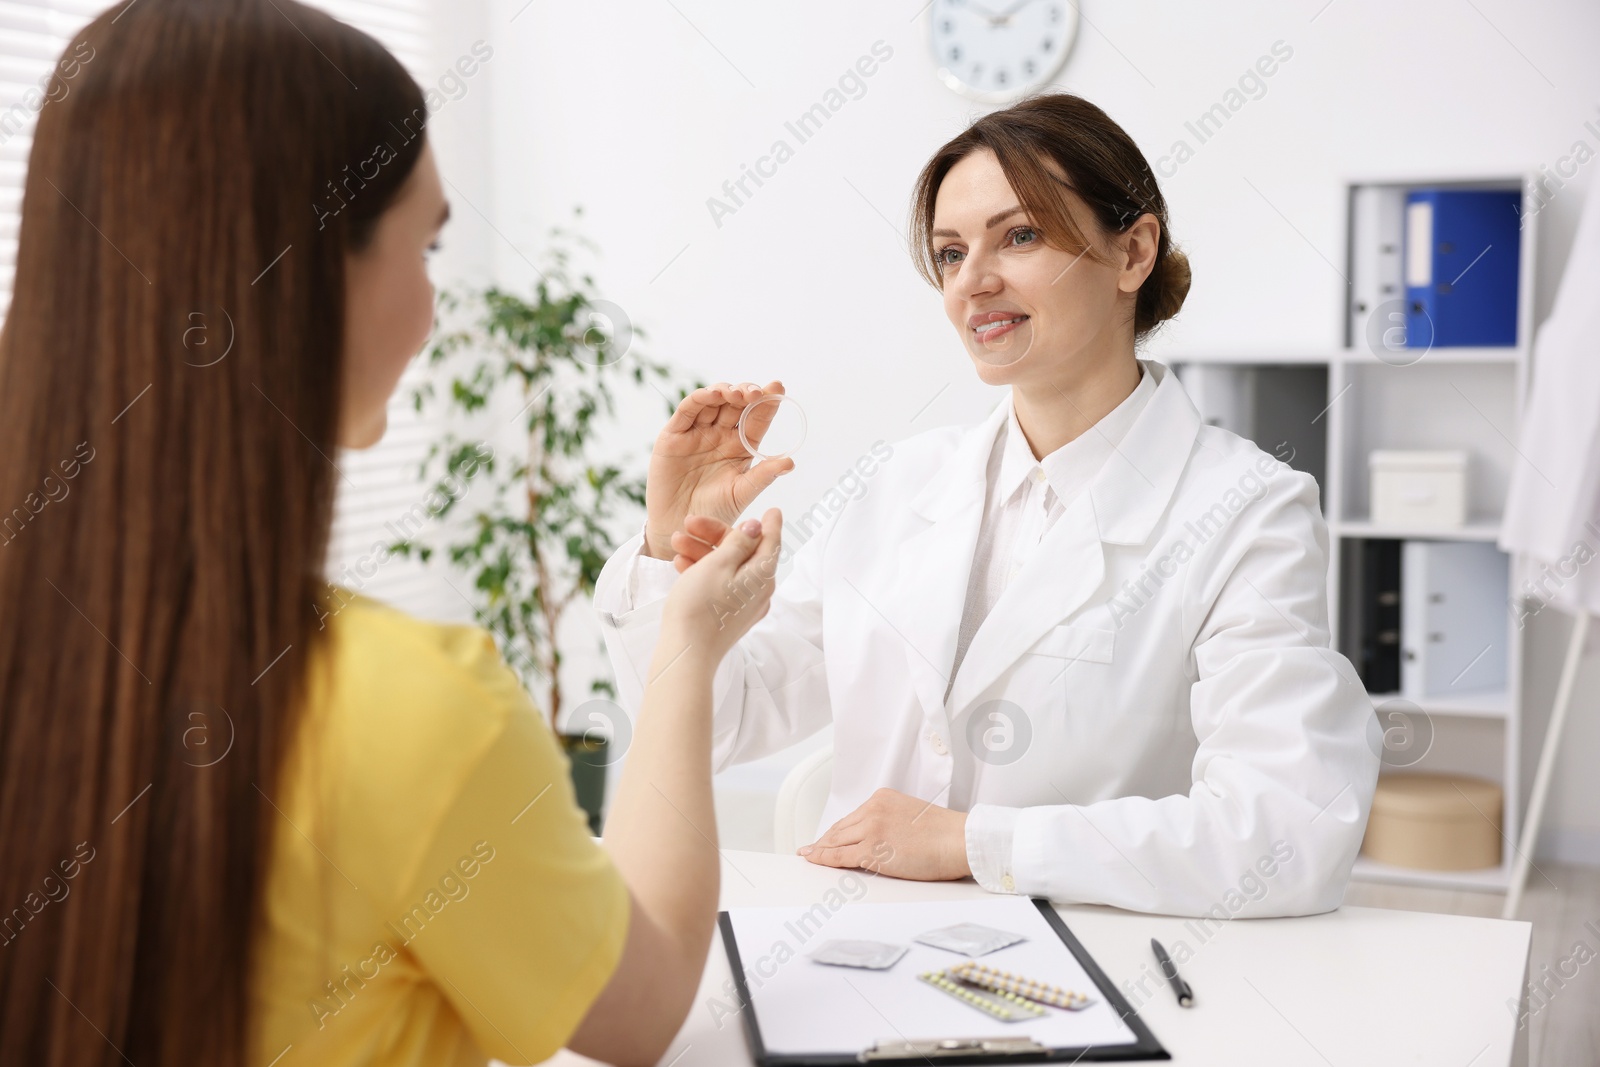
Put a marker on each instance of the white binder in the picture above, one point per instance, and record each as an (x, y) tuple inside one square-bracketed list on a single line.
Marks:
[(1454, 614), (1377, 225)]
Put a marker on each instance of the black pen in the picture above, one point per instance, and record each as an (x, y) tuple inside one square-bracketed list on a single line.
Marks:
[(1179, 986)]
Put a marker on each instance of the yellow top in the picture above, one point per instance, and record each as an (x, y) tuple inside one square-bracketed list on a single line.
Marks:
[(434, 895)]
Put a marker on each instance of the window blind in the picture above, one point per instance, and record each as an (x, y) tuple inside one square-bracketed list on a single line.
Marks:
[(379, 489), (33, 34), (377, 486)]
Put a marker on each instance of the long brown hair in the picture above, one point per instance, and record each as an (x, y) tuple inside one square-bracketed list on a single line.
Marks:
[(1096, 159), (169, 398)]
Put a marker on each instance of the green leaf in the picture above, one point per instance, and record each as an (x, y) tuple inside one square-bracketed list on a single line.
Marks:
[(548, 506)]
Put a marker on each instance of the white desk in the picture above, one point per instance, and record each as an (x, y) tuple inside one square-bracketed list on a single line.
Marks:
[(1359, 987)]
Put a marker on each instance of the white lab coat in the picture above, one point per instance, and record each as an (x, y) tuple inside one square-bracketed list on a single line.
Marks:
[(1193, 746), (1552, 514)]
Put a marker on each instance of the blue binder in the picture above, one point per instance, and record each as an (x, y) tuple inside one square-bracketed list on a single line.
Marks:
[(1462, 252)]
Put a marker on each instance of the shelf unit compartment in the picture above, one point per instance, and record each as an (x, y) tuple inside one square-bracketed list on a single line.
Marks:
[(1441, 743), (1419, 741), (1375, 251), (1275, 405), (1468, 406)]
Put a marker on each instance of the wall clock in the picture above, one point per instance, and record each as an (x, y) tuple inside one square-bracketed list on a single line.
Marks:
[(995, 51)]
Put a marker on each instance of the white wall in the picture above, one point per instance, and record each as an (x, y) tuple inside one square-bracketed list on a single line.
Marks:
[(639, 111)]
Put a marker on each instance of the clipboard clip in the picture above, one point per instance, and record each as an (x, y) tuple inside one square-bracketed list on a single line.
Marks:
[(951, 1046)]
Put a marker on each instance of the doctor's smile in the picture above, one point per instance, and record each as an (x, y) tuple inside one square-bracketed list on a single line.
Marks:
[(995, 324)]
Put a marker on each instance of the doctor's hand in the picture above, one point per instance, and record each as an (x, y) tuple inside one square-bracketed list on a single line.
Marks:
[(728, 591), (897, 835), (700, 534), (700, 466)]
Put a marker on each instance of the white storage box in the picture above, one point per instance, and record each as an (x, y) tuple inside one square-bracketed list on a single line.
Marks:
[(1425, 489)]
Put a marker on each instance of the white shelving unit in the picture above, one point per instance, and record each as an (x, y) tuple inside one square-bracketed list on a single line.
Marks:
[(1333, 408)]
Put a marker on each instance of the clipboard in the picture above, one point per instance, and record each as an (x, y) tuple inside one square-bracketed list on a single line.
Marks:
[(967, 1037)]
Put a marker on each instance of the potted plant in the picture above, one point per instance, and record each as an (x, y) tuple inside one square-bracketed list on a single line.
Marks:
[(537, 530)]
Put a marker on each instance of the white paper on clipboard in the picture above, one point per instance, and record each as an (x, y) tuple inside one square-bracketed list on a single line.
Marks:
[(808, 1008)]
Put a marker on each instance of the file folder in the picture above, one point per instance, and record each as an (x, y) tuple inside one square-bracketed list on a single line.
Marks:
[(1454, 608), (1379, 607), (1377, 283), (1462, 256)]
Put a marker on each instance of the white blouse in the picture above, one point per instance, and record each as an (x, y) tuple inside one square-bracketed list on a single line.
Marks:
[(1025, 498)]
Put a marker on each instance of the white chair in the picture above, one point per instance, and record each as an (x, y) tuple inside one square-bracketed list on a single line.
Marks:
[(801, 798)]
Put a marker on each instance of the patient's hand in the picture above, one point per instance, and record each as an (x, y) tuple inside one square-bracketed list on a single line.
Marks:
[(729, 592), (897, 835)]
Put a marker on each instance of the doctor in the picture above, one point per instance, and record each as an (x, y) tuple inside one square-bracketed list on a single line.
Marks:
[(1078, 650)]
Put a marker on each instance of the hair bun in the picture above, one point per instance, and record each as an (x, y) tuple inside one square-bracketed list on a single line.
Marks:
[(1172, 286)]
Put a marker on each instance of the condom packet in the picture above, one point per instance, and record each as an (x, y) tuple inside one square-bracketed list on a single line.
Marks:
[(970, 939), (873, 955)]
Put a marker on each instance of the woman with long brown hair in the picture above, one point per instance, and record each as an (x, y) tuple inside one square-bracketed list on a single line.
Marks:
[(235, 826)]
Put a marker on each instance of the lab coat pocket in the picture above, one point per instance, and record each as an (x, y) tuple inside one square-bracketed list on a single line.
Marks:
[(1076, 642)]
